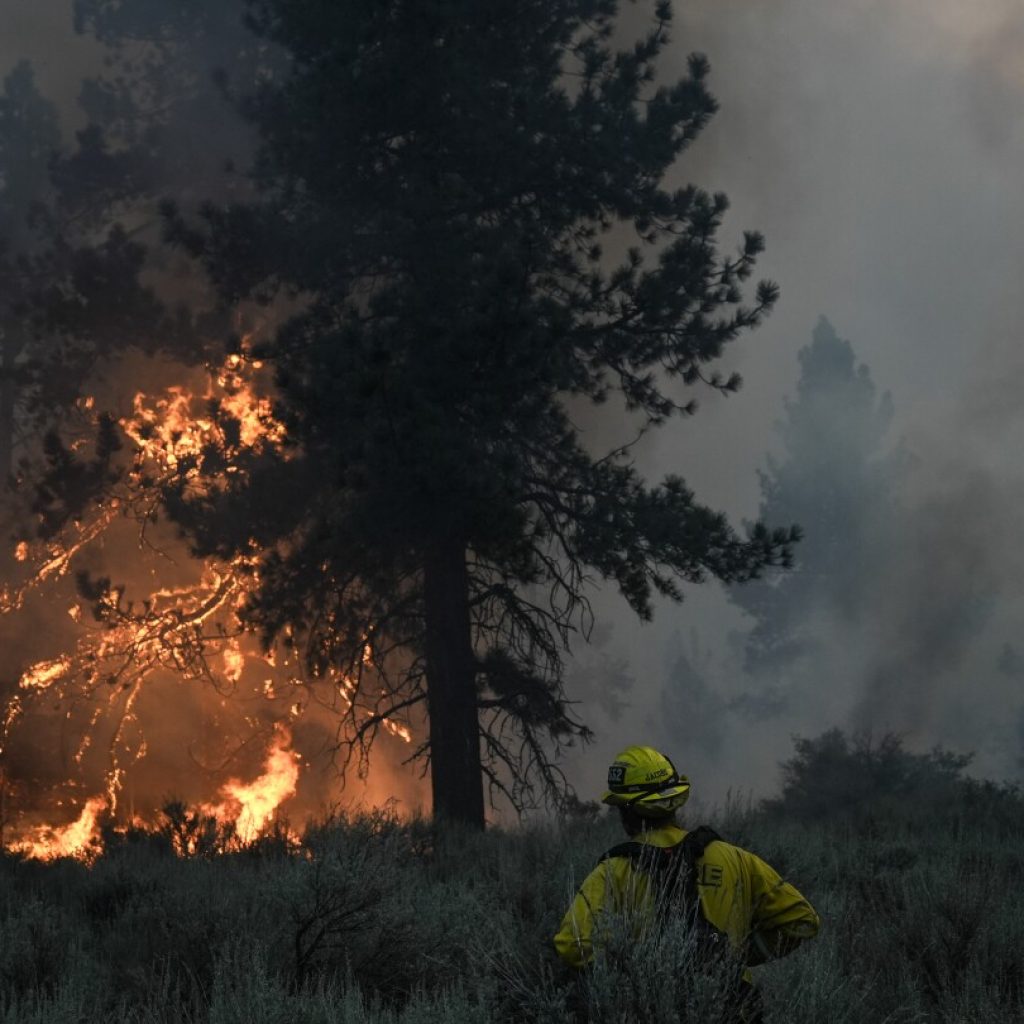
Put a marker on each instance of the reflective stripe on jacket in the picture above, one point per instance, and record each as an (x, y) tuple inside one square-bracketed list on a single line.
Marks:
[(741, 896)]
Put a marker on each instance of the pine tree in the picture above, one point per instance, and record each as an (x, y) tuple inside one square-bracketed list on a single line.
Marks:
[(439, 181), (836, 479), (29, 140)]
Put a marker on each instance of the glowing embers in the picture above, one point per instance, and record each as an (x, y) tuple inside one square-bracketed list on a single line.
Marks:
[(53, 560), (202, 435), (44, 674), (403, 732), (233, 660)]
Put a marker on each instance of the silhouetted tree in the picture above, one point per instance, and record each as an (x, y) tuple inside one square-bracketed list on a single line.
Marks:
[(29, 140), (832, 775), (161, 105), (836, 479), (438, 181)]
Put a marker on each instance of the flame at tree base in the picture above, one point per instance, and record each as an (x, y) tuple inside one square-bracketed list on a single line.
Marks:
[(246, 809), (250, 807), (74, 840)]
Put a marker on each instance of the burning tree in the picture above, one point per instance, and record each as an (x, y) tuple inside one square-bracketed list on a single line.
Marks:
[(438, 185), (115, 394), (87, 451)]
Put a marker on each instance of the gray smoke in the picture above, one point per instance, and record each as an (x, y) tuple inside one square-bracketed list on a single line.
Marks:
[(877, 146), (42, 33)]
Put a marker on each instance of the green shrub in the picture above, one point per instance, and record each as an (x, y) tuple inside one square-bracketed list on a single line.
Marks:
[(832, 775)]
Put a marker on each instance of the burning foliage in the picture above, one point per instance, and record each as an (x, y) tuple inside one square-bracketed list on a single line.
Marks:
[(92, 649)]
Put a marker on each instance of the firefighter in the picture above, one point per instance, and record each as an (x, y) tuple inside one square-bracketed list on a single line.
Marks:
[(737, 899)]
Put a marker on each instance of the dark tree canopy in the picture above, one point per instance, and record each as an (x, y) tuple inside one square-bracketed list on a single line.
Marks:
[(464, 205), (29, 139)]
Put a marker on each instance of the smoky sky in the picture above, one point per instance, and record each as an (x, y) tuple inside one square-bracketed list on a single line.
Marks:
[(42, 32), (878, 145)]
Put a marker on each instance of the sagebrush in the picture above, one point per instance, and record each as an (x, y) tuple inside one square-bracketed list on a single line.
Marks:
[(372, 919)]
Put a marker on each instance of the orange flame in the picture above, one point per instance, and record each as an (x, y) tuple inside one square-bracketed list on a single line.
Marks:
[(71, 840), (403, 732), (44, 674), (251, 806), (234, 661), (167, 431), (56, 561)]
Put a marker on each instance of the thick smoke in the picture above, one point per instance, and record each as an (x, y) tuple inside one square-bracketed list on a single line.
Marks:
[(877, 146)]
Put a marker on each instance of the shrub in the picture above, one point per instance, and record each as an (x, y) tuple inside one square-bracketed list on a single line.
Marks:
[(831, 776)]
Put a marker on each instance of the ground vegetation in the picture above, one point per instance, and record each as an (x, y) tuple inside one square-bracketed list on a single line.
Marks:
[(372, 919)]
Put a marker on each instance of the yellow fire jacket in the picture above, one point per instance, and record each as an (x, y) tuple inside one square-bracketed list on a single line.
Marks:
[(741, 895)]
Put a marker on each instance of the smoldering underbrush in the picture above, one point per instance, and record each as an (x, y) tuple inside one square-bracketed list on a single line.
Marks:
[(372, 919)]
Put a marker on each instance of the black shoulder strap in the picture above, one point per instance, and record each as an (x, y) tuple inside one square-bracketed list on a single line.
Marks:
[(632, 850), (691, 849), (697, 841), (685, 854), (674, 871)]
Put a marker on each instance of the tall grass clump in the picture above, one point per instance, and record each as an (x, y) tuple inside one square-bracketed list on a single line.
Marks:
[(913, 867)]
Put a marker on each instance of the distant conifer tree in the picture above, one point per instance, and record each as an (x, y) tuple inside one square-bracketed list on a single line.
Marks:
[(836, 478)]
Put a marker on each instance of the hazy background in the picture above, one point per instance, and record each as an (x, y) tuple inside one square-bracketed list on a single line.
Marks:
[(879, 147)]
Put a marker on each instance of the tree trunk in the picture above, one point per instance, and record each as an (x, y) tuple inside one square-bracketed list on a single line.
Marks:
[(455, 773)]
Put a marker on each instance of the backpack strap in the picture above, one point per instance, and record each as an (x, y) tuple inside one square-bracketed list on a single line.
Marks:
[(639, 853), (669, 862), (691, 850), (666, 865)]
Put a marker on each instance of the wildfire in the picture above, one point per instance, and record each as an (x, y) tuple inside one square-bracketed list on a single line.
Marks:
[(45, 673), (234, 661), (170, 433), (403, 732), (185, 626), (71, 840), (251, 806), (55, 561)]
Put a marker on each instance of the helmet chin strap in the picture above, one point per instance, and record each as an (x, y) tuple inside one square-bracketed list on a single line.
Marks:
[(634, 823)]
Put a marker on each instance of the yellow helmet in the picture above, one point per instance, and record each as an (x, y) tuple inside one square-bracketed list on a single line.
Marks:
[(647, 782)]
